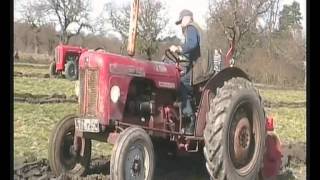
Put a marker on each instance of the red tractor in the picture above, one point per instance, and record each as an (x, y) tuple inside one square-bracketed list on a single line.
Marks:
[(135, 105), (66, 60)]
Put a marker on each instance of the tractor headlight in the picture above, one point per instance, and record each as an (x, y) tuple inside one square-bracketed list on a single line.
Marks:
[(115, 94)]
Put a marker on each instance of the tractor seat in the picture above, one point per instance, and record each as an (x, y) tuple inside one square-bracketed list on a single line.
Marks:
[(201, 69)]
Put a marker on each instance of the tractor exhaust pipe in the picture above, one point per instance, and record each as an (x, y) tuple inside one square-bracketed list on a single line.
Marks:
[(133, 27)]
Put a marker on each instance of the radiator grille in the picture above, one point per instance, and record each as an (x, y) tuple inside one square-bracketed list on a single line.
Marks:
[(81, 93), (88, 91), (92, 82)]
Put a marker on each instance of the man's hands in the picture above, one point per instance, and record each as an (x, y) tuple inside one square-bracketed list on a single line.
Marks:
[(175, 49)]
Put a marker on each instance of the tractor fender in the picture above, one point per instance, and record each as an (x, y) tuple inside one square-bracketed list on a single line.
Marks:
[(217, 80), (209, 89)]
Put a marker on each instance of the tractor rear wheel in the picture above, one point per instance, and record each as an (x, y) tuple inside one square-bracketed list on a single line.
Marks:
[(52, 70), (71, 71), (235, 132), (132, 156), (62, 157)]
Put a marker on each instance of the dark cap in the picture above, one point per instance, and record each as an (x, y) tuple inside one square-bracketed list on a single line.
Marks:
[(182, 14)]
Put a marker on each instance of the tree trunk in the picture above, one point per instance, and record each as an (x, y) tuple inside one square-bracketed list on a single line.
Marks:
[(36, 44), (64, 37), (50, 46)]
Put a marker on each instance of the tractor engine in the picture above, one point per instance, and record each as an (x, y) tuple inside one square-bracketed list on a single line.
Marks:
[(141, 100), (151, 107)]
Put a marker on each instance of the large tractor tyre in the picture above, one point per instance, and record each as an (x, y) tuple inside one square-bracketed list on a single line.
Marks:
[(52, 70), (132, 156), (71, 71), (62, 157), (235, 132)]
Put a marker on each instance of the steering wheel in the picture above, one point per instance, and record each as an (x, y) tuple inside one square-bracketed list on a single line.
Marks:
[(171, 56), (99, 48), (174, 57)]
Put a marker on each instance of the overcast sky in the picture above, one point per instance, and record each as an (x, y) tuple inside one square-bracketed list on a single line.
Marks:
[(198, 7)]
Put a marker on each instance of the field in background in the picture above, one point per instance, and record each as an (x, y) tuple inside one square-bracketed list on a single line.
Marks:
[(43, 86), (290, 122), (33, 122), (33, 58)]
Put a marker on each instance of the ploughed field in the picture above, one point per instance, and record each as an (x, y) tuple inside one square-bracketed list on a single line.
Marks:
[(40, 102)]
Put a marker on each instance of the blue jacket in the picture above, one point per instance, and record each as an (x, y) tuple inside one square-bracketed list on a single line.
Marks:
[(191, 46)]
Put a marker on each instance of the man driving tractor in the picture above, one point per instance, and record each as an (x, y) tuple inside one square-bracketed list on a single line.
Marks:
[(190, 50)]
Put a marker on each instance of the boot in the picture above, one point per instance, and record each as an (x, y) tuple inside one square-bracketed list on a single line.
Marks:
[(190, 127)]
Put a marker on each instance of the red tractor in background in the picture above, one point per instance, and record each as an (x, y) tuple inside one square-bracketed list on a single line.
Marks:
[(66, 60), (135, 105)]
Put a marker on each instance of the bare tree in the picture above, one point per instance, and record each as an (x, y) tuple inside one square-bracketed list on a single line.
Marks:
[(33, 14), (237, 17), (48, 37), (272, 21), (23, 36), (152, 21), (272, 16), (68, 13), (119, 18)]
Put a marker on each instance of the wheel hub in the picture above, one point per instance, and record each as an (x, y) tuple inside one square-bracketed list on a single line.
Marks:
[(242, 139), (69, 154), (136, 166), (73, 151), (72, 70)]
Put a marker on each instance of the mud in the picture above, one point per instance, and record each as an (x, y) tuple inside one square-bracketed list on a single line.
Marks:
[(269, 104), (294, 154), (177, 168), (31, 64), (44, 99), (275, 87), (37, 75), (56, 98)]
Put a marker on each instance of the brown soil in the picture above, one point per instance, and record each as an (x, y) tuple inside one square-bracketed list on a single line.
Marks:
[(37, 75), (44, 99), (269, 104), (187, 168), (55, 98), (35, 65), (265, 86)]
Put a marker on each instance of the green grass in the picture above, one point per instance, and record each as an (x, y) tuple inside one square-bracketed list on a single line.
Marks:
[(290, 123), (283, 95), (33, 125), (29, 70), (43, 86)]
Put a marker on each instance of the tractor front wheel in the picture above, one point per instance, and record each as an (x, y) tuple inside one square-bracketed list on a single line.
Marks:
[(71, 71), (52, 70), (132, 156), (62, 155), (235, 132)]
